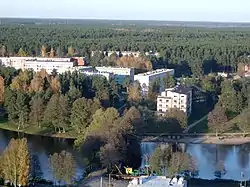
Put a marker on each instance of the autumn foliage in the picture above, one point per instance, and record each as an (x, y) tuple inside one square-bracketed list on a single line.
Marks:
[(135, 62)]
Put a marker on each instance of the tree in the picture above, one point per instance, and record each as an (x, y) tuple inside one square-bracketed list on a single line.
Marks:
[(51, 112), (3, 51), (22, 109), (169, 81), (228, 98), (43, 51), (134, 93), (70, 51), (217, 119), (36, 110), (21, 82), (177, 116), (209, 83), (55, 84), (63, 166), (37, 83), (81, 113), (22, 53), (159, 160), (63, 113), (2, 88), (15, 162), (57, 113), (10, 103), (73, 93), (126, 83), (165, 160), (244, 121), (52, 53)]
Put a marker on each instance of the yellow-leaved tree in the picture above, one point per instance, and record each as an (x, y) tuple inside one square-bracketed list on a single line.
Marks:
[(15, 162)]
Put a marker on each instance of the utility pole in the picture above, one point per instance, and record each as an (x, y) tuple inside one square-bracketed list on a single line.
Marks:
[(101, 182), (109, 180)]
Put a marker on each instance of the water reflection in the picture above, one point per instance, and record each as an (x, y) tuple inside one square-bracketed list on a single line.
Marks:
[(208, 156), (42, 147)]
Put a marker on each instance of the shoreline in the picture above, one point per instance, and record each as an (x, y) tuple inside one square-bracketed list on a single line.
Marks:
[(44, 132), (35, 131)]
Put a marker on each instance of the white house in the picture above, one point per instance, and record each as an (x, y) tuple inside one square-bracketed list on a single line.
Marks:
[(179, 97), (146, 79)]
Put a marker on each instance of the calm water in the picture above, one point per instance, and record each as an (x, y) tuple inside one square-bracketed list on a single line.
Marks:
[(235, 158), (42, 147)]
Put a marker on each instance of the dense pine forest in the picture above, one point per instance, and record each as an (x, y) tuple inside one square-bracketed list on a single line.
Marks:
[(194, 51)]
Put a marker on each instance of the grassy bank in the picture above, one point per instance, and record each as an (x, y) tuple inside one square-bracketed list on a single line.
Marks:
[(35, 130)]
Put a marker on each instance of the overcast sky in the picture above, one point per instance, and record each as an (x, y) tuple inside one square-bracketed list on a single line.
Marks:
[(179, 10)]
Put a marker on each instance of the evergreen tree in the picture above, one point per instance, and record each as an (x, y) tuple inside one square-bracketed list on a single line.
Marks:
[(36, 110)]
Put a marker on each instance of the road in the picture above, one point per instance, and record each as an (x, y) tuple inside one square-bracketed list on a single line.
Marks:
[(195, 123)]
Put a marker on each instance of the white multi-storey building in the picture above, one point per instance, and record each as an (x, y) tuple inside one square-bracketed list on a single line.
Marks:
[(146, 79), (37, 63), (120, 74), (108, 76), (179, 97)]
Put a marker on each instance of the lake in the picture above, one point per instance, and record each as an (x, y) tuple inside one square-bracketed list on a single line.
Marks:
[(42, 147), (235, 158)]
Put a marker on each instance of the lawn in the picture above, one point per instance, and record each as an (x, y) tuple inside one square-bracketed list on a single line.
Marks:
[(35, 130), (201, 127)]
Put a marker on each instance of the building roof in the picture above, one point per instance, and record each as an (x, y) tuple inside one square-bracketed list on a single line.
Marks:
[(182, 89), (158, 181), (158, 71)]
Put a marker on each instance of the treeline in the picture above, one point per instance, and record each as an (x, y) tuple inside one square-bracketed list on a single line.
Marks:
[(20, 168), (72, 103), (191, 51), (53, 100), (233, 101)]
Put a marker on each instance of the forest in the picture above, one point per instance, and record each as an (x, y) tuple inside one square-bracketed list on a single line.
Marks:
[(192, 51)]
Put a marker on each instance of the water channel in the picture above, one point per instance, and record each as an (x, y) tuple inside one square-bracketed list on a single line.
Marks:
[(236, 158)]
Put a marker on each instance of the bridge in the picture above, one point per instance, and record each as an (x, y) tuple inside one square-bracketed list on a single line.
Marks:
[(184, 137)]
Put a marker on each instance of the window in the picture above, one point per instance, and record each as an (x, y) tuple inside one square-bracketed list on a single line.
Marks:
[(175, 96), (182, 106), (160, 110), (160, 100), (167, 100), (160, 105), (175, 106), (182, 96), (166, 106), (175, 101)]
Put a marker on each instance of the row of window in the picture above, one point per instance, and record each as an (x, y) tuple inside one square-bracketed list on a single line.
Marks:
[(182, 106)]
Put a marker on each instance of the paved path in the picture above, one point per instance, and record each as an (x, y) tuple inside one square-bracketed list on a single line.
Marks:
[(195, 123)]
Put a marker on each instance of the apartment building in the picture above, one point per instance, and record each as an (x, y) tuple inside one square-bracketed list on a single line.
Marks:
[(120, 74), (146, 79), (179, 97), (37, 63), (107, 75)]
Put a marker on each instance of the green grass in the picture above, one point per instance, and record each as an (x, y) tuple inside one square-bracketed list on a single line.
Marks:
[(201, 127), (35, 130)]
